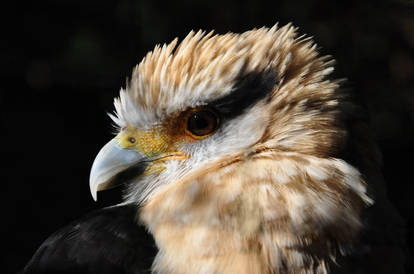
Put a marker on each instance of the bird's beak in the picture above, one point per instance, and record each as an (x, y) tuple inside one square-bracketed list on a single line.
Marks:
[(111, 163)]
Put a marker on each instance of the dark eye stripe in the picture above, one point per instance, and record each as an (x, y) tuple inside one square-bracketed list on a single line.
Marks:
[(248, 90)]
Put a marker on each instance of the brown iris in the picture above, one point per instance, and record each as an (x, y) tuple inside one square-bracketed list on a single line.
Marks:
[(202, 123)]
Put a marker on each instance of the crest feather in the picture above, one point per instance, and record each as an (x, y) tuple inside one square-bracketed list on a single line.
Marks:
[(205, 67)]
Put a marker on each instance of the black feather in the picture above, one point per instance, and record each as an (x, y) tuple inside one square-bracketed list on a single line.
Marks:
[(105, 241), (248, 90)]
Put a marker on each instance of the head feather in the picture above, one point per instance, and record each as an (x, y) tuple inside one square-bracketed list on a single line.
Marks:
[(205, 67)]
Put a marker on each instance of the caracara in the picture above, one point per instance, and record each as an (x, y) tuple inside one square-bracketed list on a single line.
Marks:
[(240, 155)]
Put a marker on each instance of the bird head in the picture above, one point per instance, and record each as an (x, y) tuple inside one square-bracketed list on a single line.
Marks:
[(205, 100), (238, 131)]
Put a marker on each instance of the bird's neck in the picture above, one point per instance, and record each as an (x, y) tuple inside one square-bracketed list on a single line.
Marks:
[(237, 221), (200, 239)]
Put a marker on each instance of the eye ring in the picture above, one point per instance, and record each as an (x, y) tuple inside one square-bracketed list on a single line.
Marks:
[(131, 140), (202, 123)]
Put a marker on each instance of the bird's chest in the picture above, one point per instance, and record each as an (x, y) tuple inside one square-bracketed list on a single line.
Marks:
[(200, 249)]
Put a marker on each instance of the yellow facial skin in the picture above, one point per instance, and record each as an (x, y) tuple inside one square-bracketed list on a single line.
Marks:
[(154, 144), (150, 143)]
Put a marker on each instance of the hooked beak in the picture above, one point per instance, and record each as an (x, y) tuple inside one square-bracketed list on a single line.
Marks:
[(113, 165)]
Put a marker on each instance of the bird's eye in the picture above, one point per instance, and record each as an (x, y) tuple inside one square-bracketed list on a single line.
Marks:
[(131, 140), (202, 123)]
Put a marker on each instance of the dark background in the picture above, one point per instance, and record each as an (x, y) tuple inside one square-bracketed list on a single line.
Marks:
[(64, 61)]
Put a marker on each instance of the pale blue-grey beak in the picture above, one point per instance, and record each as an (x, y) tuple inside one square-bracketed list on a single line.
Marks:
[(112, 161)]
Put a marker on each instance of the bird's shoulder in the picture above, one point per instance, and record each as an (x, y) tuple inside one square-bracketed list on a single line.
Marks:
[(108, 240)]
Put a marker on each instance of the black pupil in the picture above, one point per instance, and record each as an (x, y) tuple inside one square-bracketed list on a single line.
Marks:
[(202, 123)]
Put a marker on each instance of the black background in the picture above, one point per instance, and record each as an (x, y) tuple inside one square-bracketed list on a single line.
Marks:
[(63, 62)]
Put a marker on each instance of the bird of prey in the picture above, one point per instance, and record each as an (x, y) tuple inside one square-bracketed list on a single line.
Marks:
[(239, 154)]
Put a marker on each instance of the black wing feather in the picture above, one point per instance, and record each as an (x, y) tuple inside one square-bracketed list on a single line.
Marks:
[(105, 241)]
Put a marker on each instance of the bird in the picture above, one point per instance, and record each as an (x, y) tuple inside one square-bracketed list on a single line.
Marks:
[(238, 153)]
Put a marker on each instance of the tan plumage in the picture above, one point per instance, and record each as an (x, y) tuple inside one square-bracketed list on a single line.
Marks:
[(269, 192)]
